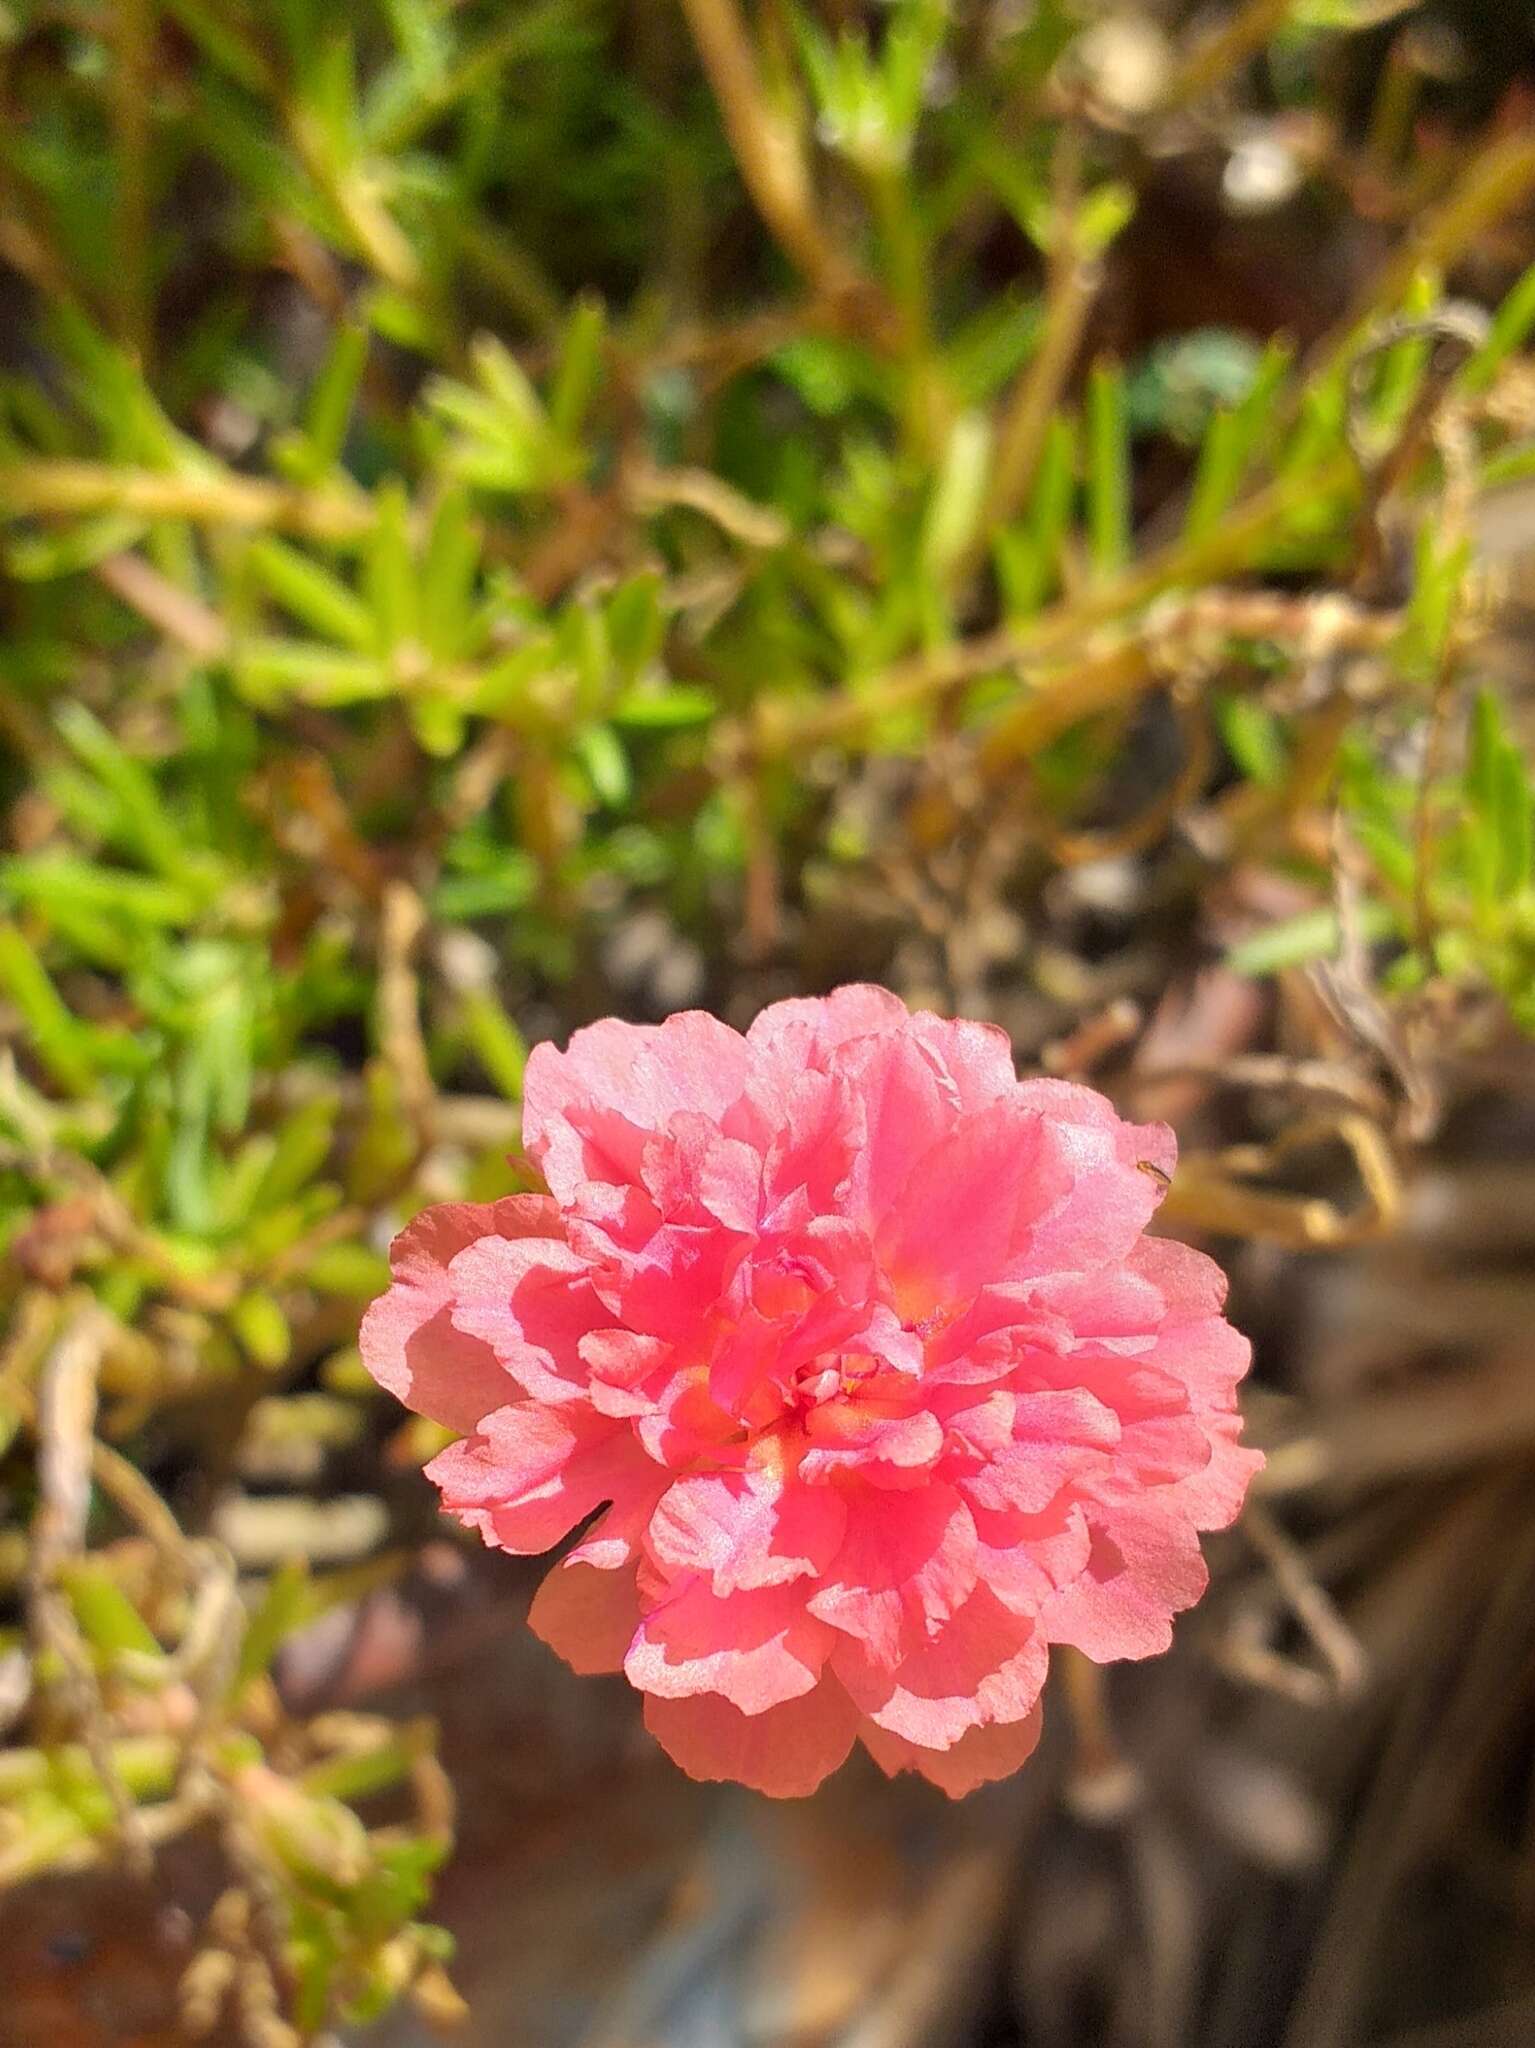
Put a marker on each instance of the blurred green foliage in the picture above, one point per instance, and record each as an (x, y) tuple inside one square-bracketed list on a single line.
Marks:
[(461, 486)]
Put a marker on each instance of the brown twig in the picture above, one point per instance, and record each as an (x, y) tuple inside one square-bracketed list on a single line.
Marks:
[(177, 613), (1105, 676), (700, 490), (1328, 1080), (1104, 1786), (66, 1422), (1310, 1603), (1223, 1191), (399, 1000)]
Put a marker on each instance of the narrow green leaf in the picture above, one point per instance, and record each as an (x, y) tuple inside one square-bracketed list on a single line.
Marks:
[(389, 571), (269, 671), (1512, 806), (311, 594), (209, 25), (303, 1145), (43, 557), (665, 710), (258, 1321), (1108, 470), (1485, 746), (1231, 442), (1313, 935), (54, 881), (1029, 556), (579, 367), (286, 1604), (636, 623), (329, 411), (498, 1045), (146, 825), (1511, 327), (353, 1271), (107, 1618), (448, 571), (959, 490), (601, 754), (53, 1033), (1253, 739)]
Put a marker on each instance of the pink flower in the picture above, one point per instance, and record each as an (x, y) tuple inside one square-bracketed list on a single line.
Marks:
[(856, 1344)]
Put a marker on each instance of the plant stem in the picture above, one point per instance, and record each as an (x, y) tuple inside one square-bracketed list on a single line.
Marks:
[(499, 50), (132, 94), (1071, 284), (926, 408), (1072, 287), (1215, 57), (766, 149), (1495, 181), (1187, 561), (67, 487), (506, 265)]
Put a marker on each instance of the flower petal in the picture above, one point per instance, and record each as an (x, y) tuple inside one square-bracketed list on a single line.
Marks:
[(907, 1563), (530, 1473), (980, 1756), (785, 1752), (987, 1664), (909, 1105), (640, 1073), (746, 1529), (805, 1030), (757, 1649), (408, 1338), (970, 1204), (1115, 1172), (1144, 1567), (531, 1301), (977, 1058), (586, 1616)]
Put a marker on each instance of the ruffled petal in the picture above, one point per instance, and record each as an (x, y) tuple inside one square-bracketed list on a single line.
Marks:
[(987, 1664), (907, 1563), (851, 1435), (1212, 1498), (586, 1616), (969, 1206), (806, 1030), (908, 1106), (746, 1530), (976, 1058), (1144, 1566), (408, 1338), (980, 1756), (756, 1649), (1115, 1172), (640, 1074), (785, 1752), (1023, 1559), (809, 1128), (530, 1300), (1050, 1438), (530, 1473)]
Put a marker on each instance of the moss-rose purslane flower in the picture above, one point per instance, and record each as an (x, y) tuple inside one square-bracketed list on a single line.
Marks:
[(857, 1345)]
